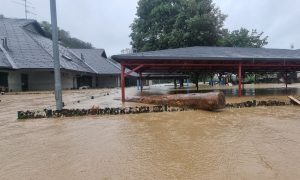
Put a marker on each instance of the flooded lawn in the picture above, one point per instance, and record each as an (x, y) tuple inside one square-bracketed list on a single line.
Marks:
[(250, 143)]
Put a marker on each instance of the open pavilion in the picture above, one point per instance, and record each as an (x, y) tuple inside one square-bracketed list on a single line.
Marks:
[(209, 59)]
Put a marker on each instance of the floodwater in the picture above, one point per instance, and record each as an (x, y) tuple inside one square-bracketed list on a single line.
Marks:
[(250, 143), (249, 90)]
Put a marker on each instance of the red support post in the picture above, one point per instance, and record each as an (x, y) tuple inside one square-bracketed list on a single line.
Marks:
[(286, 82), (123, 82), (141, 82), (240, 79)]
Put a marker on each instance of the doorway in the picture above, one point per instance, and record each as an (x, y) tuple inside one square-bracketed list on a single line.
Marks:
[(85, 81), (3, 81), (24, 82)]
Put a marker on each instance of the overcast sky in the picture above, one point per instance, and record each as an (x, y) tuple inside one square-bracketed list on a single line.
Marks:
[(105, 23)]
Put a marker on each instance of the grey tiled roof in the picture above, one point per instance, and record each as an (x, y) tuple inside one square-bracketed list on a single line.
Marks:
[(213, 53), (4, 63), (96, 58), (29, 49), (118, 65)]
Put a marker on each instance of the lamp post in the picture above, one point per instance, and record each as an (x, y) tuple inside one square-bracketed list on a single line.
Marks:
[(57, 76)]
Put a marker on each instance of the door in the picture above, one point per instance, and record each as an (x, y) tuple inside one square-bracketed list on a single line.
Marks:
[(3, 81), (85, 81), (24, 82)]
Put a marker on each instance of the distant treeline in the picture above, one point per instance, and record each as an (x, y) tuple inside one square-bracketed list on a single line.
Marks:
[(65, 37)]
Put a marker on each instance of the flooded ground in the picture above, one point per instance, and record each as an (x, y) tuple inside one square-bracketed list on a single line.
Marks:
[(250, 143)]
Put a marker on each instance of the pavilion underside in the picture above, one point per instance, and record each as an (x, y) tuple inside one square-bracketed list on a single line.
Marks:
[(239, 67), (210, 60)]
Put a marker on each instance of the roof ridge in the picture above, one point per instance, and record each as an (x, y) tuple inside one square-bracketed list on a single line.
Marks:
[(82, 61)]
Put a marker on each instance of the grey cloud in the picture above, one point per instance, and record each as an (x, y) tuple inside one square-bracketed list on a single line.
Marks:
[(105, 23), (278, 19)]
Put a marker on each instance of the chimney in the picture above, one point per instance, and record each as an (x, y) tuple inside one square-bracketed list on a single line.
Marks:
[(4, 43), (82, 57)]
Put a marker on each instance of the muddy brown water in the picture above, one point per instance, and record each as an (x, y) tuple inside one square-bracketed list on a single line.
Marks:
[(250, 143)]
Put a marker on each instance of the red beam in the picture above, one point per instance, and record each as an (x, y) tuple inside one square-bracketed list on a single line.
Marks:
[(134, 70), (218, 65)]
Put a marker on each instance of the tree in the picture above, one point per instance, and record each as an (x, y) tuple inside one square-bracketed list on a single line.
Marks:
[(176, 23), (65, 37), (2, 16), (243, 38), (184, 23), (194, 77)]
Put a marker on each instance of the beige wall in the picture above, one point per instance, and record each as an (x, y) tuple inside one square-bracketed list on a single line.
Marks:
[(39, 80), (108, 81)]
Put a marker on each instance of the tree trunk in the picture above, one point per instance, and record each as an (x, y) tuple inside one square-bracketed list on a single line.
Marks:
[(206, 101), (181, 83)]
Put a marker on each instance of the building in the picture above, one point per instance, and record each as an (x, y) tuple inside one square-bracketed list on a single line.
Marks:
[(26, 61), (108, 73)]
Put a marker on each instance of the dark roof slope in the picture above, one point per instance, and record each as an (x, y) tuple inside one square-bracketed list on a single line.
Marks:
[(213, 53), (96, 59), (29, 49)]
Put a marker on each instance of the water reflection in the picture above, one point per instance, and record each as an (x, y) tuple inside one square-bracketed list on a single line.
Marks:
[(249, 91)]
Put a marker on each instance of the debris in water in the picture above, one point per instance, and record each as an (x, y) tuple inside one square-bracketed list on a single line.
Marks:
[(206, 101), (255, 103)]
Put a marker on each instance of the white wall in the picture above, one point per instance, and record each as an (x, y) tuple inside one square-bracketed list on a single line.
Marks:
[(14, 81), (44, 81), (39, 80), (67, 80)]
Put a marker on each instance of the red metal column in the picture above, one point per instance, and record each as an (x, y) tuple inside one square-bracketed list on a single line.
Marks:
[(123, 82), (286, 82), (141, 82), (240, 79)]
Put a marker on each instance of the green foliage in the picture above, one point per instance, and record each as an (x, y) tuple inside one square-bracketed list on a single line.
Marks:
[(165, 24), (65, 37), (243, 38), (2, 16), (176, 23), (250, 78), (184, 23)]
